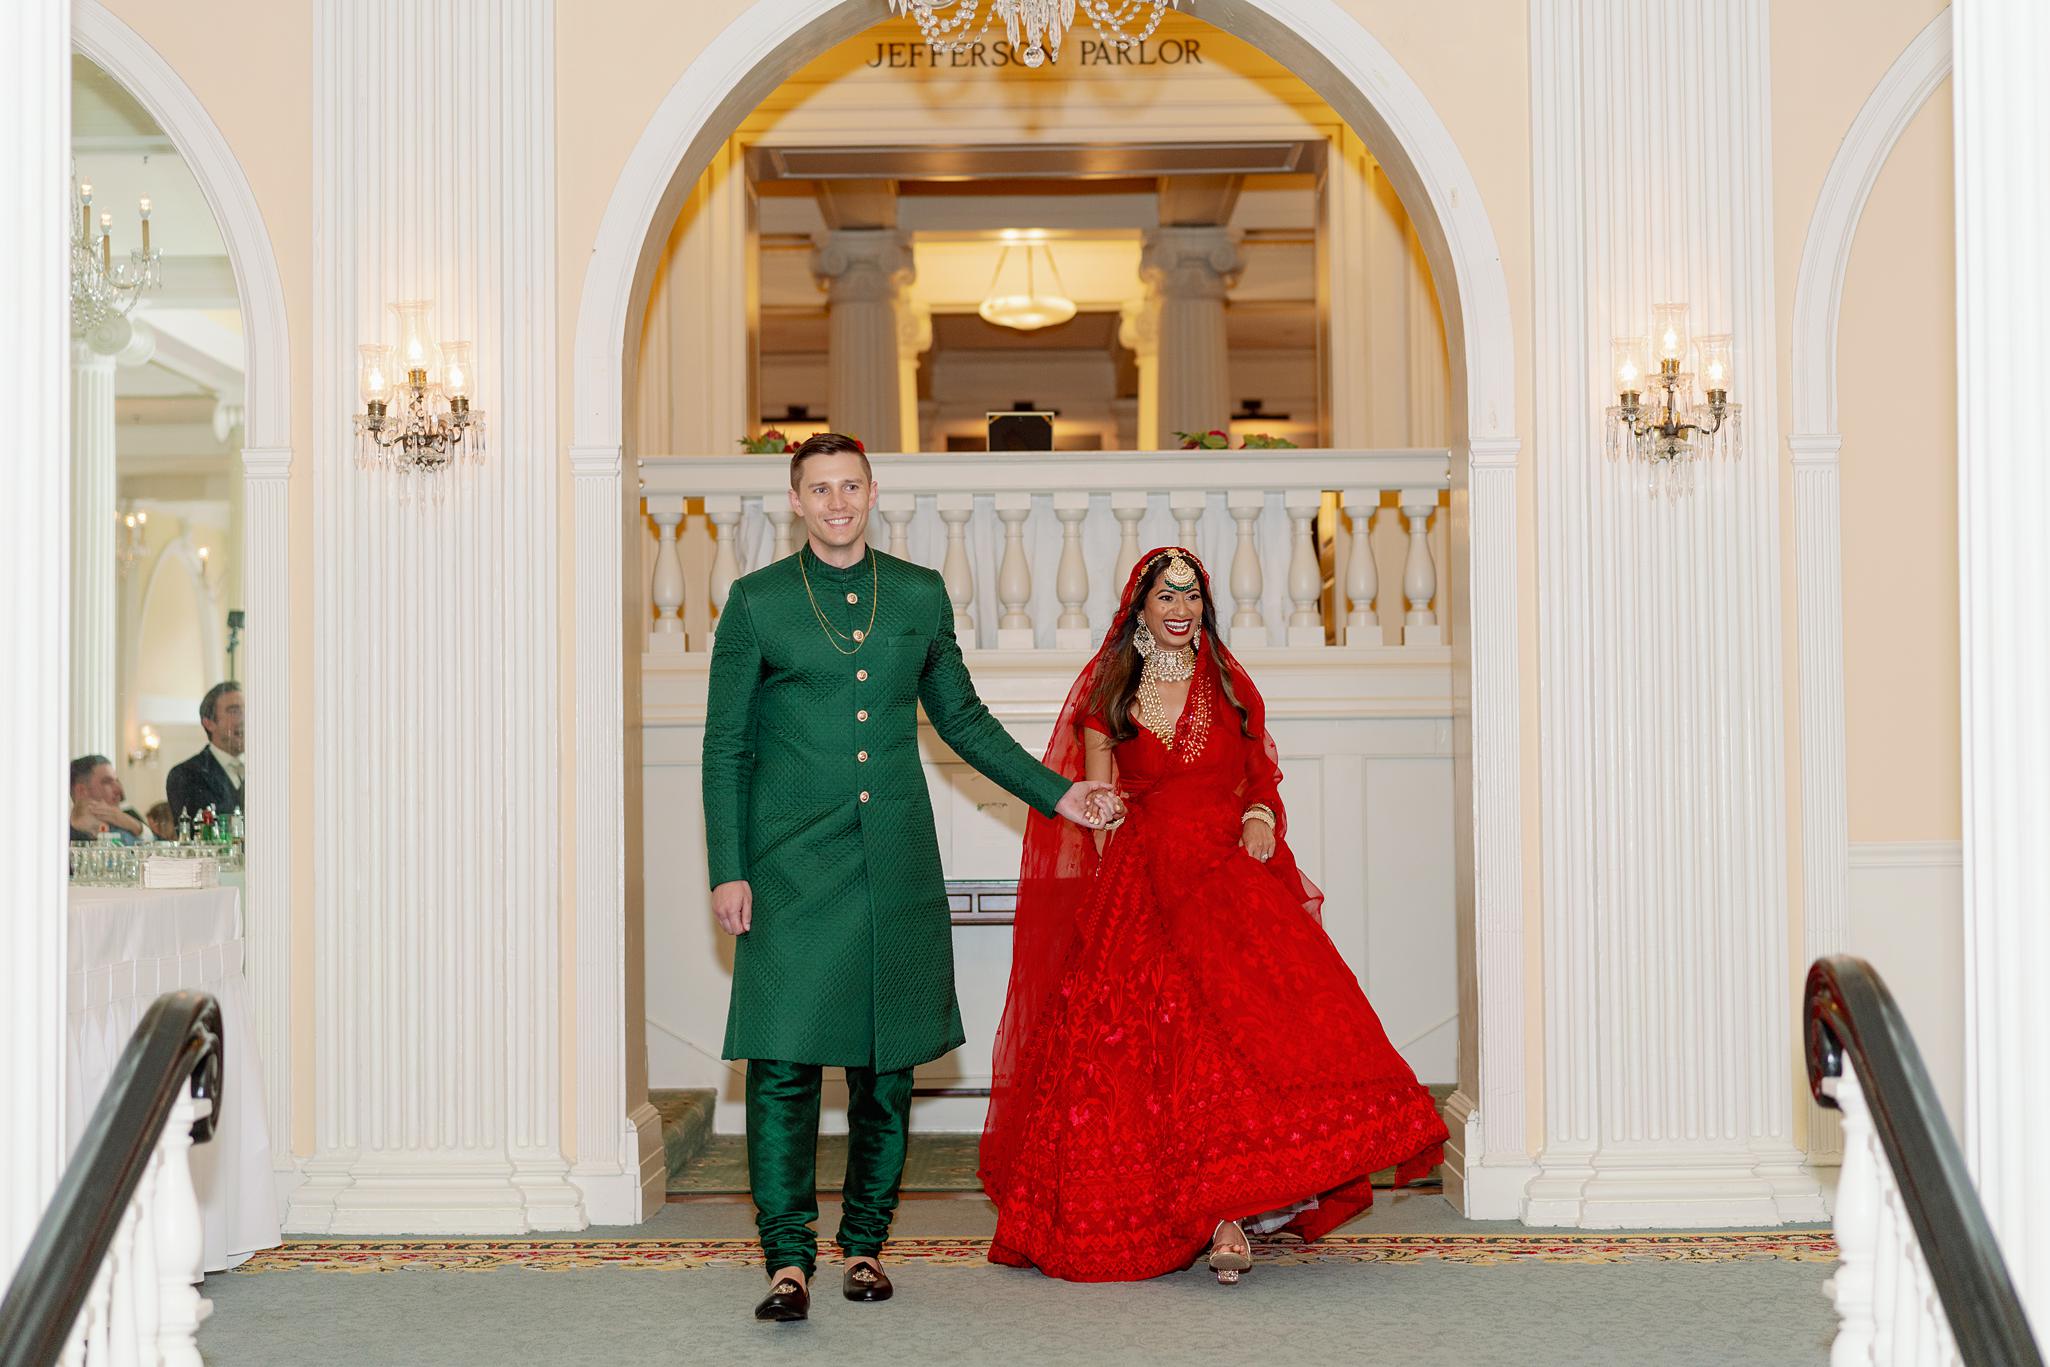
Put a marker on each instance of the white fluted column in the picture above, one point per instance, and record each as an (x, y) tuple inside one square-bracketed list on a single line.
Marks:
[(35, 534), (864, 272), (1188, 272), (2003, 335), (94, 606), (1139, 333), (438, 1090), (914, 339)]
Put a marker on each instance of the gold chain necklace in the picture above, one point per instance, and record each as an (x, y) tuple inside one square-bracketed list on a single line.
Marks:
[(833, 634), (1165, 666)]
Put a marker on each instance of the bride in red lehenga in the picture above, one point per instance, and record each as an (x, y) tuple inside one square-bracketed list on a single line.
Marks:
[(1184, 1056)]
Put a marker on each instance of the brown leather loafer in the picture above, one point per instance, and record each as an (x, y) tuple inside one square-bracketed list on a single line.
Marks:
[(866, 1282), (786, 1302)]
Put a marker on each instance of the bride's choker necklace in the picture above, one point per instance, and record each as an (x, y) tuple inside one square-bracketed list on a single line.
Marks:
[(1163, 665)]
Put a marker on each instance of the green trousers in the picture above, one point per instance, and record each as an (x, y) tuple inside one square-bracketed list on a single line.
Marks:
[(783, 1154)]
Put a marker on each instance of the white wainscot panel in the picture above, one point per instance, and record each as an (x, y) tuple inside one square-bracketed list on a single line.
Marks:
[(1907, 918), (1370, 809)]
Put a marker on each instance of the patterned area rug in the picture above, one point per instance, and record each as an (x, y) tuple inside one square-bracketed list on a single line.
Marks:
[(1477, 1250)]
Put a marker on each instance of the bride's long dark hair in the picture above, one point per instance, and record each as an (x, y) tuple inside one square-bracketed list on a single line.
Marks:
[(1116, 686)]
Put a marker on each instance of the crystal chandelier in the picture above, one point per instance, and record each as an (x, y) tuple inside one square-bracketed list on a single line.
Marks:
[(422, 423), (1661, 419), (104, 291), (131, 539), (1034, 27), (1031, 296)]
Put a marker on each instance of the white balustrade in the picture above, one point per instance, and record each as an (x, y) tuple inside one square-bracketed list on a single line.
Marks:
[(955, 510), (1022, 541), (144, 1306), (1362, 576), (666, 636), (1419, 573), (1071, 581), (1248, 623), (1305, 569), (724, 511), (1014, 580), (782, 519), (1887, 1307)]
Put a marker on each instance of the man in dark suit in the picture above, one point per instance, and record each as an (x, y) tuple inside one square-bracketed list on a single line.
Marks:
[(213, 777)]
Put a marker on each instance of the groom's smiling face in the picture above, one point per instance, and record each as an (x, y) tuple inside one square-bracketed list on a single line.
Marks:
[(833, 495)]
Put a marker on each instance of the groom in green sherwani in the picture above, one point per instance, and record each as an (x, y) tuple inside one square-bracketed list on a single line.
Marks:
[(823, 858)]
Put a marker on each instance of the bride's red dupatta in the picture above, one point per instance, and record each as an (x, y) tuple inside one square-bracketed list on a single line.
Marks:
[(1060, 862)]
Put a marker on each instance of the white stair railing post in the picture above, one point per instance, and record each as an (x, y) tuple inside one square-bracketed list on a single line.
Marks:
[(724, 511), (955, 510), (1071, 580), (181, 1242), (1014, 575), (1127, 507), (1305, 570), (666, 636), (1248, 622), (1419, 572), (777, 510), (897, 510), (1362, 576), (1187, 507)]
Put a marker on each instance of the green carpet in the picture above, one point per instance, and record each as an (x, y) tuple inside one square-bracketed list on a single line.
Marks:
[(1728, 1312)]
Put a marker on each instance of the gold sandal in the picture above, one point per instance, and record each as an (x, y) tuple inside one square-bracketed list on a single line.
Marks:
[(1229, 1262)]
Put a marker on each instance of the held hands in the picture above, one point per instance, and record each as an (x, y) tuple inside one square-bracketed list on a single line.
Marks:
[(1092, 805), (1257, 838), (733, 904)]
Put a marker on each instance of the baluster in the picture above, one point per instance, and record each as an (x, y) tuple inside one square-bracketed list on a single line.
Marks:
[(1305, 570), (955, 510), (148, 1204), (1014, 575), (1187, 507), (1127, 507), (1856, 1223), (1886, 1279), (1071, 579), (1362, 576), (897, 510), (123, 1291), (1247, 581), (667, 591), (1419, 573), (724, 511), (180, 1240), (782, 519)]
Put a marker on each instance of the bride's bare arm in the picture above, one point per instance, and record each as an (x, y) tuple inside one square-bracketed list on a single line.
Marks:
[(1097, 767)]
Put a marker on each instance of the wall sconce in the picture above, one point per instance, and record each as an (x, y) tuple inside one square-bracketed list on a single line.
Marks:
[(422, 423), (1661, 419), (129, 541), (146, 751)]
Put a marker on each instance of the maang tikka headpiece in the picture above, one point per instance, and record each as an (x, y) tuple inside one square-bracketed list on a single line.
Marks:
[(1180, 574)]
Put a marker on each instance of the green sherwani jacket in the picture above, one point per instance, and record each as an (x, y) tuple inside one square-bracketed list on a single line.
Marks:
[(815, 795)]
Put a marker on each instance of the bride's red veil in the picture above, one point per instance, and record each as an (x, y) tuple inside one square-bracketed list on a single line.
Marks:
[(1060, 861)]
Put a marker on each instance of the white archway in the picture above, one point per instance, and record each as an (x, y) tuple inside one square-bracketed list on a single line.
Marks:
[(266, 468), (1815, 444), (618, 1152)]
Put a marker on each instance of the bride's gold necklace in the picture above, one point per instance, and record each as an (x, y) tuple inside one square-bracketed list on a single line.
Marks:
[(1164, 666)]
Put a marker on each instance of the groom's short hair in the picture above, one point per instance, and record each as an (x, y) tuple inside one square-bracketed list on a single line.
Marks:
[(828, 444)]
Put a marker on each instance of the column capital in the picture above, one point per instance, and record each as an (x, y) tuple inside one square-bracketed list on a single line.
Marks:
[(914, 332), (1191, 263), (863, 264), (1139, 327)]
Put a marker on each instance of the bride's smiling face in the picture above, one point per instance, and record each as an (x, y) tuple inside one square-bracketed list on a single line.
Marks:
[(1172, 615)]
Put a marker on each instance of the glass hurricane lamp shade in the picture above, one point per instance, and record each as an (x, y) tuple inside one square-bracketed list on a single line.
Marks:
[(417, 351), (458, 370), (1669, 334), (374, 373), (1716, 364), (1628, 354), (1026, 292)]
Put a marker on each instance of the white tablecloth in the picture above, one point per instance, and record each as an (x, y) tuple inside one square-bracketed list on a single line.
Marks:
[(130, 945)]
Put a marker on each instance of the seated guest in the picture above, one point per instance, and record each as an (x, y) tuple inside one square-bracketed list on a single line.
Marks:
[(213, 777), (148, 833), (96, 803), (160, 821)]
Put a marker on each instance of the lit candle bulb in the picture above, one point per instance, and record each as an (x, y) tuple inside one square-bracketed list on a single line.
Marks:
[(144, 208), (85, 207), (106, 242)]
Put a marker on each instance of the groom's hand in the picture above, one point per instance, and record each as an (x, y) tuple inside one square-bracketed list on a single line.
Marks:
[(734, 905), (1082, 805)]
